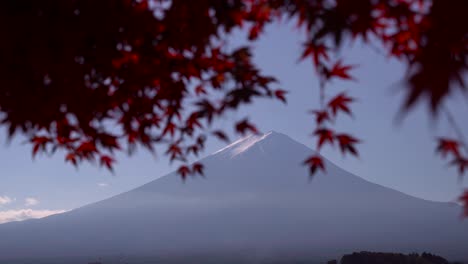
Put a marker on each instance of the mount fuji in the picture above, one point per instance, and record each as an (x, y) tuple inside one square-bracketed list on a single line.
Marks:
[(255, 199)]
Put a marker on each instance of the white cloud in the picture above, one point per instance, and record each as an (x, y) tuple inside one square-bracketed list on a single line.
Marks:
[(5, 200), (23, 214), (103, 184), (30, 201)]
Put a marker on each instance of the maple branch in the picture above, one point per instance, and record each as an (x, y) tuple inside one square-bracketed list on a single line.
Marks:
[(322, 91)]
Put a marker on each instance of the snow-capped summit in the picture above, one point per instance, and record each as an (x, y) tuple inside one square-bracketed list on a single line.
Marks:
[(256, 196), (263, 144), (243, 144)]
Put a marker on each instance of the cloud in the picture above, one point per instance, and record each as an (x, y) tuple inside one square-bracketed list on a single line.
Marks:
[(103, 184), (30, 201), (23, 214), (5, 200)]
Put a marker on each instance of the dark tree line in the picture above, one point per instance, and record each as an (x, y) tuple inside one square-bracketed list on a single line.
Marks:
[(392, 258)]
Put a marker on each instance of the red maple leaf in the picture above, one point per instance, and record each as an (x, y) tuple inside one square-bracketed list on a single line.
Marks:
[(347, 143), (340, 71), (183, 171), (340, 103), (314, 163), (194, 149), (321, 116), (317, 51), (448, 146), (221, 135), (461, 163), (192, 122), (108, 141), (280, 94), (244, 126), (39, 143), (107, 161), (174, 151), (86, 150), (324, 135), (255, 31), (197, 168), (71, 158), (170, 128)]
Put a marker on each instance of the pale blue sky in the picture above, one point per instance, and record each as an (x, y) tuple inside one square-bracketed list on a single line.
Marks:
[(398, 156)]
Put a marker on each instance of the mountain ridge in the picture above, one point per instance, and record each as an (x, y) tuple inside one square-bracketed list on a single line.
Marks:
[(254, 196)]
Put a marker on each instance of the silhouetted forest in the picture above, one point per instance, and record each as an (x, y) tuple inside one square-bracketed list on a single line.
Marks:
[(392, 258)]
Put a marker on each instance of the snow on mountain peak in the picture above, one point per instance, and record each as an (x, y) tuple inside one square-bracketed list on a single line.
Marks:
[(241, 145)]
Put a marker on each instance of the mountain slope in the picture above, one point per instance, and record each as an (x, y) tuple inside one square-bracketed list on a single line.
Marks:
[(255, 198)]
